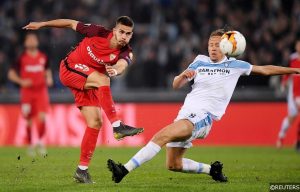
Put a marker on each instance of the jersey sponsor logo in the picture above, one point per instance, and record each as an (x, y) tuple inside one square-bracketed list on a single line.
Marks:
[(34, 68), (93, 56), (82, 67), (112, 56), (214, 71)]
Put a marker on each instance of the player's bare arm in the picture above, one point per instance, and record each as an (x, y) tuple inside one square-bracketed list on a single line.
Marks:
[(273, 70), (14, 77), (182, 79), (59, 23), (116, 69), (49, 78)]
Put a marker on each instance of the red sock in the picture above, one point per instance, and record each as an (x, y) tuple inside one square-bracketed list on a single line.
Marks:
[(88, 145), (107, 103), (41, 127), (28, 134)]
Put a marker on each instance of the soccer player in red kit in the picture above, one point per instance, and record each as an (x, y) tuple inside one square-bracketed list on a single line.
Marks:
[(32, 73), (293, 98), (87, 70)]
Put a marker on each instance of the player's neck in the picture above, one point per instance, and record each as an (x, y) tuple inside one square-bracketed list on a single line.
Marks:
[(32, 52), (113, 44)]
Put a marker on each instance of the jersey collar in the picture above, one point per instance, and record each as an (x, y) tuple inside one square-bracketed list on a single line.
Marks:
[(223, 60)]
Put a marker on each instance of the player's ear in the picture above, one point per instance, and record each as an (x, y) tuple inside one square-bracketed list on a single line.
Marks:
[(114, 30)]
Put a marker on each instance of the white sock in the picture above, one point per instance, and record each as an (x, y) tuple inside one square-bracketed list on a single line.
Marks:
[(284, 127), (82, 167), (116, 123), (190, 166), (142, 156)]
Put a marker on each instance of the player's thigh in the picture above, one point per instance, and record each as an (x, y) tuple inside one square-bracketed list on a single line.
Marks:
[(174, 157), (95, 80), (177, 131), (92, 116)]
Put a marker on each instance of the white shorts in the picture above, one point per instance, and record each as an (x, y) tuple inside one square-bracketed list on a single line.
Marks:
[(293, 102), (202, 125)]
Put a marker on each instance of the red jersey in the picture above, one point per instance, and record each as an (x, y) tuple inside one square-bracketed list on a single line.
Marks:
[(94, 50), (294, 63), (33, 68)]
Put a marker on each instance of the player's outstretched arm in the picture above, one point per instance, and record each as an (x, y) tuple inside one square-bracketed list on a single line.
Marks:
[(116, 69), (60, 23), (182, 79), (273, 70)]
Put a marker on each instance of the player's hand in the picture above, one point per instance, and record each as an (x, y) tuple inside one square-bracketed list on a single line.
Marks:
[(49, 82), (111, 71), (26, 83), (33, 26), (188, 74)]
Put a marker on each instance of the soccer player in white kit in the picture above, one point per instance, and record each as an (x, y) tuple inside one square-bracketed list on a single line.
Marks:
[(215, 78)]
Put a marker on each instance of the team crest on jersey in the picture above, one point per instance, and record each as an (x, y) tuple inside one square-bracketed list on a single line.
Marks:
[(226, 64), (112, 56), (82, 67), (42, 61)]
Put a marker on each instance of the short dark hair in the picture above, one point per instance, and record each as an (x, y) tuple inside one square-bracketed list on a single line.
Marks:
[(125, 20), (218, 32)]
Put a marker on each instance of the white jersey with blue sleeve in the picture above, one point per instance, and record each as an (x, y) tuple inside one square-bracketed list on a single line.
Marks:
[(214, 84)]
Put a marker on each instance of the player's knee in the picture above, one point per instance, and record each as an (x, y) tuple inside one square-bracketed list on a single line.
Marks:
[(161, 139), (95, 123)]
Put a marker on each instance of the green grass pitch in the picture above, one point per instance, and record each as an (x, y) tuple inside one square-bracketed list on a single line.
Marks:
[(248, 169)]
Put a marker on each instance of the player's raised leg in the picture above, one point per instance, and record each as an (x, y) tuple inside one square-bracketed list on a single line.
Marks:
[(177, 131), (176, 162), (93, 119), (102, 83)]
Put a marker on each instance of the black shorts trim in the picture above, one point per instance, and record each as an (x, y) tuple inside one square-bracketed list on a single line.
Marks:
[(73, 70)]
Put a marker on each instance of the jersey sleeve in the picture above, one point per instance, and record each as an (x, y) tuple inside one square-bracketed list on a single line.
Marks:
[(197, 61), (244, 67), (126, 54), (91, 30)]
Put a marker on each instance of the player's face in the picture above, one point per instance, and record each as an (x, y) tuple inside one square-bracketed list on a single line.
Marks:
[(214, 51), (31, 41), (122, 34)]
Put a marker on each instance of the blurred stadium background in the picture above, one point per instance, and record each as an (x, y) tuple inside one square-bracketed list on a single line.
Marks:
[(168, 35)]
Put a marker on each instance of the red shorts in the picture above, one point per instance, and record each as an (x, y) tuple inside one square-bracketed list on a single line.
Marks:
[(34, 102), (74, 75)]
